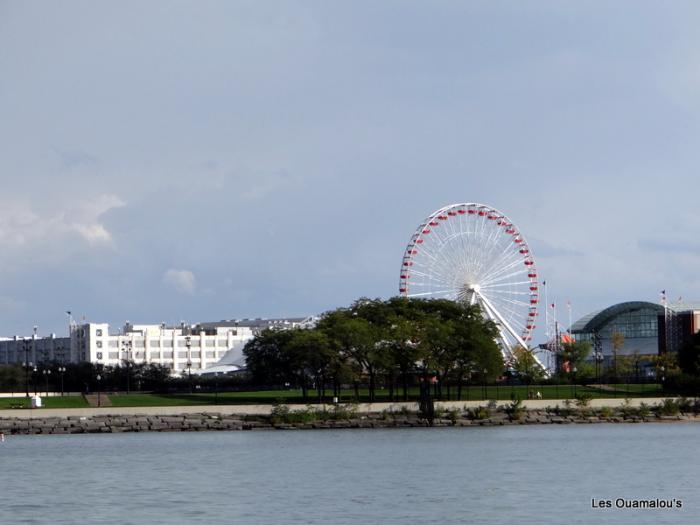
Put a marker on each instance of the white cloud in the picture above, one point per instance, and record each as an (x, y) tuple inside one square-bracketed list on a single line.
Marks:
[(20, 225), (181, 280)]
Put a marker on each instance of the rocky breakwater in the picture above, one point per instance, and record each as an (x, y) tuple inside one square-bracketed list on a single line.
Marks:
[(283, 417), (125, 423)]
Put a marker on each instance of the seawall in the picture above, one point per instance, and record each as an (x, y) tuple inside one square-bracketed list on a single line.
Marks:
[(255, 417)]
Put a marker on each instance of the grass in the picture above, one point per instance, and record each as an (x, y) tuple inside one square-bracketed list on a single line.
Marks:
[(48, 402), (471, 393)]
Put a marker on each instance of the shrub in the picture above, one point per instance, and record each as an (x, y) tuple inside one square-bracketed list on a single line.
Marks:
[(686, 405), (669, 407), (583, 400), (605, 412), (439, 412), (515, 409), (478, 413), (626, 409), (279, 412), (453, 415), (343, 412), (404, 410), (644, 410)]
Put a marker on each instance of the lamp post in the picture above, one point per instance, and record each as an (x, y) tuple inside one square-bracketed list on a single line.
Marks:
[(484, 378), (574, 370), (598, 361), (99, 390), (27, 364), (34, 371), (216, 388), (47, 373), (189, 373), (188, 344), (126, 347), (62, 371)]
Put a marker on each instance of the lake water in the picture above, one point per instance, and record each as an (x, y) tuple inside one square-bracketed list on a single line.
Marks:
[(524, 474)]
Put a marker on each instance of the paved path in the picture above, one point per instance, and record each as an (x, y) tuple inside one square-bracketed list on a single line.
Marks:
[(265, 409)]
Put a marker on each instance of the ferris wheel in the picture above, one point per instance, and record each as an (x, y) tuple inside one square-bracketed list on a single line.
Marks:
[(474, 253)]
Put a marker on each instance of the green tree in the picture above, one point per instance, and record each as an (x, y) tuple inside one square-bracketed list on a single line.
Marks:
[(354, 339), (575, 353), (10, 377), (267, 358), (618, 341), (666, 367), (526, 366), (311, 359)]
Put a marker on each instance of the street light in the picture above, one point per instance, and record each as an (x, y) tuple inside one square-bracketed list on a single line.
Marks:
[(188, 344), (99, 400), (189, 373), (598, 362), (126, 347), (34, 371), (62, 371), (27, 364), (47, 374)]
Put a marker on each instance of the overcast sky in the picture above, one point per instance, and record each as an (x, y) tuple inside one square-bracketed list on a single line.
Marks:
[(167, 161)]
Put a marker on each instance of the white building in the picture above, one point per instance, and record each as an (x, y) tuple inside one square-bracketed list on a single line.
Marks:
[(215, 347)]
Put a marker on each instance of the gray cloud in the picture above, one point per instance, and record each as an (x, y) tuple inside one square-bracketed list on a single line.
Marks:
[(182, 281), (284, 154)]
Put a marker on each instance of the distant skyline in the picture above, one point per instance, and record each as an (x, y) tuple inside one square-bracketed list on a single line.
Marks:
[(167, 161)]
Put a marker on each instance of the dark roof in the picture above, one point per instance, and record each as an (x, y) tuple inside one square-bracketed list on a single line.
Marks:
[(252, 323), (598, 319)]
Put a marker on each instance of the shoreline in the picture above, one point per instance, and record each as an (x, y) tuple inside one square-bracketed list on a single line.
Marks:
[(301, 417), (264, 410)]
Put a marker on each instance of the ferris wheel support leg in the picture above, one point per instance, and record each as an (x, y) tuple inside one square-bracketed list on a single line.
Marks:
[(505, 344), (504, 323)]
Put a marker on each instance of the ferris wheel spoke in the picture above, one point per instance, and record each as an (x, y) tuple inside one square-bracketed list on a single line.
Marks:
[(499, 278), (489, 286), (437, 292), (505, 258), (496, 273), (508, 292), (511, 301)]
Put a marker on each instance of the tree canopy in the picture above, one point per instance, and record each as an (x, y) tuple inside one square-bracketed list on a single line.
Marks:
[(397, 341)]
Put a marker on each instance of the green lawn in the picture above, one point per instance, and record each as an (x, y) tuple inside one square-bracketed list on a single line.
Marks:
[(48, 402), (472, 393)]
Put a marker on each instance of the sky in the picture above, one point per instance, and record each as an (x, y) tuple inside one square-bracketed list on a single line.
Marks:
[(203, 160)]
